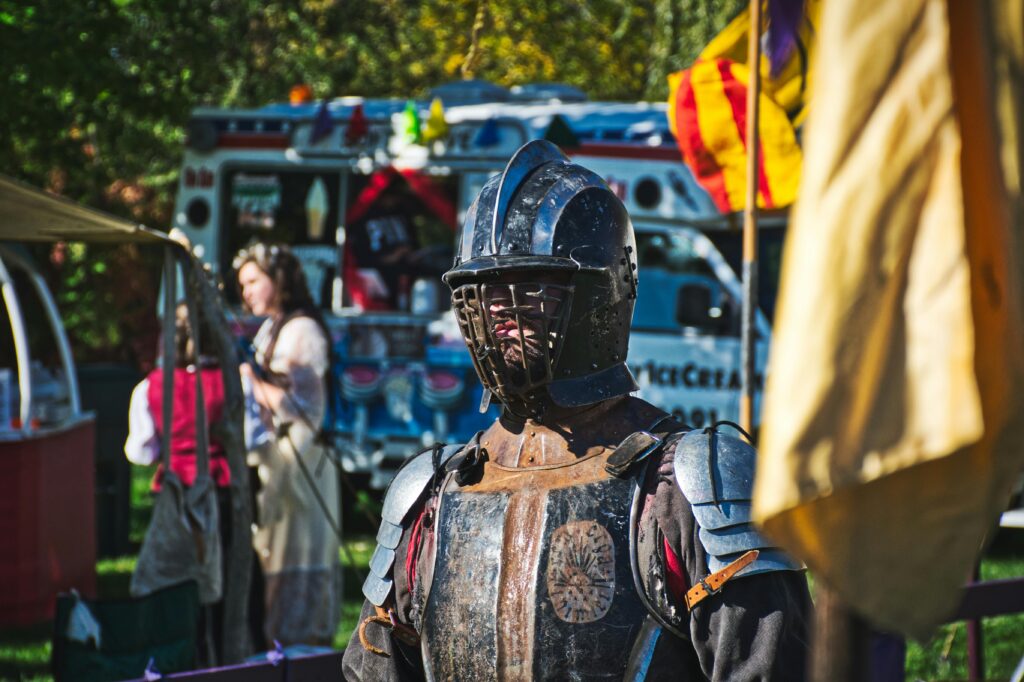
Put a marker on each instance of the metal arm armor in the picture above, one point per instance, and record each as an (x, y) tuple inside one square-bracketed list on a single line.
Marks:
[(405, 491), (715, 471)]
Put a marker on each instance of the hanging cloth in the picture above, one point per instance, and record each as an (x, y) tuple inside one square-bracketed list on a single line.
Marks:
[(183, 538)]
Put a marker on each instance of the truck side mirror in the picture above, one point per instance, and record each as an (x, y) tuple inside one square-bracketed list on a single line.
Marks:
[(694, 305)]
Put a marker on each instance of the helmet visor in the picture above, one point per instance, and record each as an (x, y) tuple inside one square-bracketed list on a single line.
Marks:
[(514, 331)]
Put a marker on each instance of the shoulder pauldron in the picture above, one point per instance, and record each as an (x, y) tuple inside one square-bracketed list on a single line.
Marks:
[(715, 471), (405, 491)]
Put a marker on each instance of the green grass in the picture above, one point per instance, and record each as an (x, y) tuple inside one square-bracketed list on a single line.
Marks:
[(141, 505), (25, 654), (359, 551), (944, 656)]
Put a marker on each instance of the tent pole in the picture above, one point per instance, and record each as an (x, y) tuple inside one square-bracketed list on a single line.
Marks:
[(239, 556), (748, 340), (975, 638)]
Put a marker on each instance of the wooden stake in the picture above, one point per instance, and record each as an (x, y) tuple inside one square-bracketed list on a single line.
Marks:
[(841, 646)]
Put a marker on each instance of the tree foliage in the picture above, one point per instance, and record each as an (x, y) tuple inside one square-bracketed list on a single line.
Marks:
[(95, 94)]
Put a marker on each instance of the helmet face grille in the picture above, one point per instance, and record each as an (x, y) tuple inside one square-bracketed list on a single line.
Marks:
[(514, 332)]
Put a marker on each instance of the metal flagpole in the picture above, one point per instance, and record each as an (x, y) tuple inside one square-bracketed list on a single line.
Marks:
[(748, 340)]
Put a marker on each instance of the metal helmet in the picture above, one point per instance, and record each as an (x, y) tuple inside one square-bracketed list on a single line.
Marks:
[(544, 284)]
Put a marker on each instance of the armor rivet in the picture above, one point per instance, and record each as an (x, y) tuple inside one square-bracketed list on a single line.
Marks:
[(629, 249), (633, 265), (622, 261)]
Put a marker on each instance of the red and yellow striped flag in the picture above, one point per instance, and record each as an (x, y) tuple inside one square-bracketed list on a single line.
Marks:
[(707, 114)]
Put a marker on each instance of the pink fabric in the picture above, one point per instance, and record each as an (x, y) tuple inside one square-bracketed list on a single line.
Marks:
[(183, 424)]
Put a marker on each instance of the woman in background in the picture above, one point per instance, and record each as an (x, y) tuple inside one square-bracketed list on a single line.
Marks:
[(296, 543)]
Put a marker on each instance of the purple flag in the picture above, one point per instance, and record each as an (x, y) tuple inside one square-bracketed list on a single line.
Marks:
[(323, 124), (784, 20)]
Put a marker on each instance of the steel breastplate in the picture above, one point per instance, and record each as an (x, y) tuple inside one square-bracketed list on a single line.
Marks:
[(531, 577)]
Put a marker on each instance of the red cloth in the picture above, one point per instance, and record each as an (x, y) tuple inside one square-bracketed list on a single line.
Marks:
[(675, 577), (412, 554), (183, 422)]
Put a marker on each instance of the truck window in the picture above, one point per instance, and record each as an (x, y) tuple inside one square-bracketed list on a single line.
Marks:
[(294, 207), (769, 255), (399, 229), (671, 270)]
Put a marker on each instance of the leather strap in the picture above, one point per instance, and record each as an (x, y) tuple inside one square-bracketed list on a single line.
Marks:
[(386, 618), (379, 620), (637, 446), (713, 583)]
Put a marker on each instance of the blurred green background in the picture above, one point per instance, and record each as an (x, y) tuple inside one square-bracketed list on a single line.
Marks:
[(95, 95)]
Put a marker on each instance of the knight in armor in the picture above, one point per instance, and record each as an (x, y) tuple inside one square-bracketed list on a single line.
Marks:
[(586, 534)]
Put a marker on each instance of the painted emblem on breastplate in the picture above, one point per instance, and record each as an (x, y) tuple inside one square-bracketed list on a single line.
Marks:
[(581, 572)]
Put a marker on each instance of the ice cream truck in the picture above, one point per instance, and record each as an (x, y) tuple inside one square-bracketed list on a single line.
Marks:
[(370, 193)]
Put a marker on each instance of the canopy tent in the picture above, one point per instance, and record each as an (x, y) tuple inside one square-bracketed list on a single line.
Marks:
[(29, 214)]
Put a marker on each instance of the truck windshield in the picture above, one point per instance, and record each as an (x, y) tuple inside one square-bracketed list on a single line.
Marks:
[(769, 255), (295, 207)]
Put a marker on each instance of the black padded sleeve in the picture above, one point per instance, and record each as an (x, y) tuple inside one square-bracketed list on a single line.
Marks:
[(757, 627)]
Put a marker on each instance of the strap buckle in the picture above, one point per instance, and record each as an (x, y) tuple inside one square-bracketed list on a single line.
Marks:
[(708, 588), (703, 589)]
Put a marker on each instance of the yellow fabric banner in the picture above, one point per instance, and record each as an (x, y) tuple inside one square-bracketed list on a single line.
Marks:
[(894, 412)]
